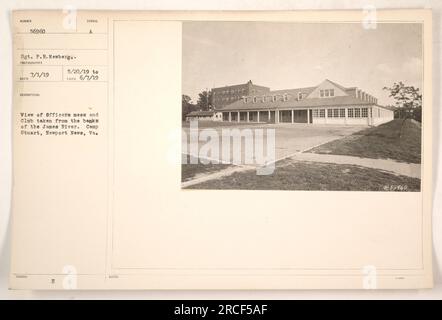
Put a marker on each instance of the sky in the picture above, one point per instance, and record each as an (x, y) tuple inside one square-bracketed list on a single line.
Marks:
[(283, 55)]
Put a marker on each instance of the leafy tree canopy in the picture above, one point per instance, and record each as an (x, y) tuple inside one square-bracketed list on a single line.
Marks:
[(405, 96), (204, 102)]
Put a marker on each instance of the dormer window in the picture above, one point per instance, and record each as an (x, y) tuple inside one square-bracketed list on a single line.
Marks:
[(327, 93), (299, 95), (285, 97), (273, 98), (254, 99), (245, 99), (263, 98)]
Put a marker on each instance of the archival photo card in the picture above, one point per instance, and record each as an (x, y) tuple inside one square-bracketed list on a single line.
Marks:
[(222, 150)]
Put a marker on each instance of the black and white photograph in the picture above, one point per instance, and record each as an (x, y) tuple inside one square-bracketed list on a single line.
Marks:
[(302, 106)]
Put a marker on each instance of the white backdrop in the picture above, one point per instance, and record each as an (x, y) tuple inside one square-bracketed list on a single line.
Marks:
[(5, 142)]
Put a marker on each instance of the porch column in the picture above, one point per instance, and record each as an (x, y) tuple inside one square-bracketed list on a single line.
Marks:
[(258, 116), (268, 119), (248, 119), (326, 115), (293, 116), (238, 117), (230, 117), (370, 115), (346, 115), (308, 115), (276, 116)]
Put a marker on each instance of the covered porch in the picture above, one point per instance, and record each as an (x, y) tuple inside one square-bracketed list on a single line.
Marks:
[(270, 116)]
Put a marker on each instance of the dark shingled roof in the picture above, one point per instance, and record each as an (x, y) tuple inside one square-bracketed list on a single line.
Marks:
[(292, 102), (200, 113)]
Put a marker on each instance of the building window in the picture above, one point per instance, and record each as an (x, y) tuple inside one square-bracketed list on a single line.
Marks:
[(342, 113), (322, 113), (327, 93), (350, 112), (263, 98), (364, 112), (336, 113), (274, 98), (299, 95), (254, 99), (357, 113), (315, 113), (285, 97), (330, 113)]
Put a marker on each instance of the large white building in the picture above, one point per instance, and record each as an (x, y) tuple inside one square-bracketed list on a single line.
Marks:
[(327, 103)]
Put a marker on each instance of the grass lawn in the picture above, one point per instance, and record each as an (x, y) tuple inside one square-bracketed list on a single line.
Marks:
[(190, 171), (398, 139), (297, 175)]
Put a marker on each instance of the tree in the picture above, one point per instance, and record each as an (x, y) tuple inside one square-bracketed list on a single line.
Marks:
[(186, 106), (408, 100), (204, 102)]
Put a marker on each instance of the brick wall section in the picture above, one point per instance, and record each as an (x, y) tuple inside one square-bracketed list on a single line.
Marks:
[(223, 96)]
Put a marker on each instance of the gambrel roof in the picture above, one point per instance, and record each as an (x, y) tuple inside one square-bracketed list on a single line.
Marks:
[(289, 99)]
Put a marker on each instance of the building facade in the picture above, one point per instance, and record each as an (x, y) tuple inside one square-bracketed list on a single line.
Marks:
[(204, 116), (327, 103), (224, 96)]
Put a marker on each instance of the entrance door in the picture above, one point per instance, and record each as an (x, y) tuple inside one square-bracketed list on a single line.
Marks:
[(272, 117), (300, 116)]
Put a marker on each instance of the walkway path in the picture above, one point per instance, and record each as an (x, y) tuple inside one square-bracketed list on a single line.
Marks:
[(400, 168), (412, 170), (216, 175)]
